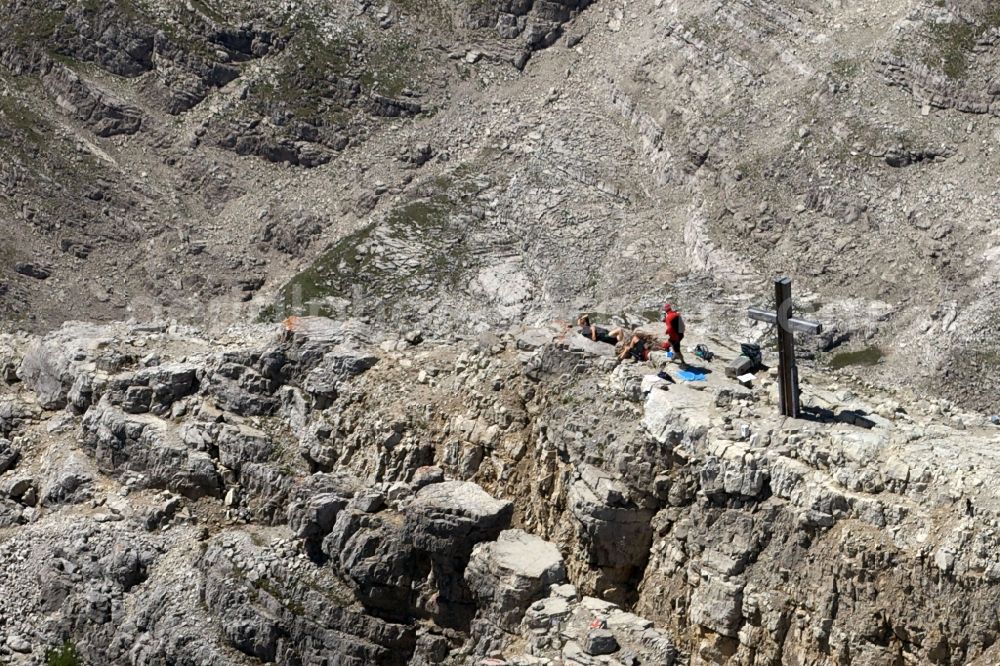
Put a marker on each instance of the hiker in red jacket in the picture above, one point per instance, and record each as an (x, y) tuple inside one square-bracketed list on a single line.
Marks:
[(675, 332)]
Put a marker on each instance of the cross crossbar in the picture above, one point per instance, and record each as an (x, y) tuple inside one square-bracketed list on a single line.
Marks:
[(797, 325)]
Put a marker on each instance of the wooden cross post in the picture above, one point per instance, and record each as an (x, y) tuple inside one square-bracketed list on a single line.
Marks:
[(788, 374)]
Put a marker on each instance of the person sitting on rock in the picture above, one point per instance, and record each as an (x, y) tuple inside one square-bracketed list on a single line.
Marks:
[(599, 333), (637, 348)]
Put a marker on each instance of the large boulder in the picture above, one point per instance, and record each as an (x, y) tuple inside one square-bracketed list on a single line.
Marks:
[(371, 552), (16, 414), (245, 384), (50, 365), (411, 564), (450, 518), (307, 340), (446, 521), (66, 479), (266, 488), (169, 382), (505, 576), (337, 365)]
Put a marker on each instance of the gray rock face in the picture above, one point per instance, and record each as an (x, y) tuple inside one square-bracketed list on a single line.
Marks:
[(717, 605), (729, 540), (536, 23), (505, 577), (17, 487), (146, 446), (105, 114), (269, 611), (371, 552), (238, 387), (16, 414), (9, 455), (46, 371), (240, 445), (614, 531), (137, 399), (18, 644), (267, 488), (564, 626), (737, 474), (705, 515), (412, 563), (169, 382), (315, 505), (338, 365), (344, 361)]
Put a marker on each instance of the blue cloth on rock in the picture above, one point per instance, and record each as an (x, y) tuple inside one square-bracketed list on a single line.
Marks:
[(689, 376)]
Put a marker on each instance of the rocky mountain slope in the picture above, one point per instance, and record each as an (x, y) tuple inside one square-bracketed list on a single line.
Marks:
[(325, 495), (469, 164), (356, 431)]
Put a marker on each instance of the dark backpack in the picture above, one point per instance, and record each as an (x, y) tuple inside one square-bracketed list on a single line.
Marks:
[(752, 352)]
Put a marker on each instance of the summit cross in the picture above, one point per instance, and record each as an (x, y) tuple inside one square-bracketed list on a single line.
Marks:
[(788, 374)]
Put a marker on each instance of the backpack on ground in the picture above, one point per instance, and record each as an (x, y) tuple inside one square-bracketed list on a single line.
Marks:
[(752, 352)]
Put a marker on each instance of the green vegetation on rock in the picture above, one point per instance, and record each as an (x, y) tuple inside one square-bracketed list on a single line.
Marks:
[(206, 9), (863, 357), (64, 655), (415, 248), (952, 43)]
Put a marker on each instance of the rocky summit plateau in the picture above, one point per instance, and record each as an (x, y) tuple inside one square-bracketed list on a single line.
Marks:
[(289, 369)]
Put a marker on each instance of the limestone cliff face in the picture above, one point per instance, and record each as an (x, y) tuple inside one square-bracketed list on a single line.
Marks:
[(326, 494)]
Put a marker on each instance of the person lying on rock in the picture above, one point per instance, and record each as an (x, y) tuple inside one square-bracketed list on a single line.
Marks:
[(637, 348), (599, 333)]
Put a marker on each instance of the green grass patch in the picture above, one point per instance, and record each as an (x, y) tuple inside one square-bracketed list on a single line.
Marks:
[(845, 69), (391, 67), (64, 655), (15, 115), (21, 129), (305, 86), (417, 247), (208, 11), (950, 45), (316, 73), (38, 27), (863, 357)]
